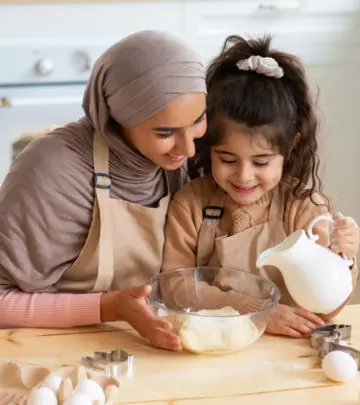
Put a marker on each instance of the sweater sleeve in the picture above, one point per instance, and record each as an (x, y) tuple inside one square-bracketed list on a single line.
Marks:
[(299, 214), (19, 309), (184, 220), (181, 236)]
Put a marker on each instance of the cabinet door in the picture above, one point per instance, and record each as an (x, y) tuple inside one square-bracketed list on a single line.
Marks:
[(298, 26)]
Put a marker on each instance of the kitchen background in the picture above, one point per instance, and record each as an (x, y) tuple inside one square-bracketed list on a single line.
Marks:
[(47, 50)]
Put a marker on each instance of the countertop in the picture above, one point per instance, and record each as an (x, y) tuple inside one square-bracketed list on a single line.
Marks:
[(273, 370)]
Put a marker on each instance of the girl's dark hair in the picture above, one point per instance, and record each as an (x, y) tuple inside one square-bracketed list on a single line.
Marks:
[(277, 109)]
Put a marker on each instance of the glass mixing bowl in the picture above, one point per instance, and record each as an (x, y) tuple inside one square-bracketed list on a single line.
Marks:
[(214, 309)]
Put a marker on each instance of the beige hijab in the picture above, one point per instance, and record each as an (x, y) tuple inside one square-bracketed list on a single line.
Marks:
[(47, 199)]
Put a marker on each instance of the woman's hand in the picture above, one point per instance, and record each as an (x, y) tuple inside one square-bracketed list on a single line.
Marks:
[(130, 305), (293, 322), (345, 236)]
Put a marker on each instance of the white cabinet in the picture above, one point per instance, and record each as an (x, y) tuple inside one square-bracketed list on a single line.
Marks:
[(299, 26)]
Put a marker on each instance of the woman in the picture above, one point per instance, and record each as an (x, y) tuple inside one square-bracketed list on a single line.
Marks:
[(82, 209)]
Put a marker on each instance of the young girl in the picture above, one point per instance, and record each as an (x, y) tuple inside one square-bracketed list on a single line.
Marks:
[(258, 165)]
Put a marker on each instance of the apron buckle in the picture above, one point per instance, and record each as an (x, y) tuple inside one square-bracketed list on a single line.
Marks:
[(213, 212), (102, 180)]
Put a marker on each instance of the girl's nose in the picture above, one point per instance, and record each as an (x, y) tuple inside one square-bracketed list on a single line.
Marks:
[(244, 173)]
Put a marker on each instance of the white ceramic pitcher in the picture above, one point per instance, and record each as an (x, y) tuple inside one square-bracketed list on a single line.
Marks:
[(318, 279)]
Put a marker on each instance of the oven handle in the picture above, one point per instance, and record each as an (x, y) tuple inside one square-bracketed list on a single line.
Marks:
[(7, 102)]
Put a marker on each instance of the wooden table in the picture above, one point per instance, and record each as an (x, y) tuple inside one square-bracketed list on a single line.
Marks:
[(12, 2), (272, 371)]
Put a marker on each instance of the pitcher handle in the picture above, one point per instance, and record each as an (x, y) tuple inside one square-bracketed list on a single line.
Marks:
[(315, 237)]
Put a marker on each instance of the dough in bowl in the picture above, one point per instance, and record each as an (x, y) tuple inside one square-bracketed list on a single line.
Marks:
[(225, 333)]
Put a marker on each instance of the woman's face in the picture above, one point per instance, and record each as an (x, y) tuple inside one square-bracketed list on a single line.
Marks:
[(167, 138)]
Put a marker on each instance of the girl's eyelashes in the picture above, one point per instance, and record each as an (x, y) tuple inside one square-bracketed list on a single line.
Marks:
[(261, 164), (258, 164), (227, 161)]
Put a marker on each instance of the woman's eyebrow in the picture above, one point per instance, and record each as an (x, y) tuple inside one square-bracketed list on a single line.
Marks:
[(169, 129)]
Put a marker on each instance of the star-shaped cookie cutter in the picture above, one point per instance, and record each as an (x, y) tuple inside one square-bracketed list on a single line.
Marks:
[(115, 363), (333, 337)]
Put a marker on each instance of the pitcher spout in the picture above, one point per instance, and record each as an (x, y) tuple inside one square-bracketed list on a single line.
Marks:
[(265, 258), (274, 255)]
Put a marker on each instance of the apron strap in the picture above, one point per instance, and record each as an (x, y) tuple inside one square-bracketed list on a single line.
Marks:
[(102, 184), (211, 216), (277, 205)]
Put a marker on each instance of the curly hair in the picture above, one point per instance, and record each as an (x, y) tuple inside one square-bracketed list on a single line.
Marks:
[(280, 110)]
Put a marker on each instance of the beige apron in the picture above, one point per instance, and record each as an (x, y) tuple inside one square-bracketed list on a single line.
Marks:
[(125, 242), (241, 250)]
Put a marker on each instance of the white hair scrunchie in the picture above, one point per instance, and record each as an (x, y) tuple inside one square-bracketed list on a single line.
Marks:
[(261, 65)]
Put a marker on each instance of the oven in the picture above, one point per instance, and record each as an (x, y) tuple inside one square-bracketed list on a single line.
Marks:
[(41, 86)]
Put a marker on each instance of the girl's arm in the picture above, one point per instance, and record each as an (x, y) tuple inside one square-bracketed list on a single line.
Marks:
[(181, 238)]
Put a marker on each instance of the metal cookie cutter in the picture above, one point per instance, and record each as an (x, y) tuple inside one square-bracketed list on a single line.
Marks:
[(333, 337), (115, 363)]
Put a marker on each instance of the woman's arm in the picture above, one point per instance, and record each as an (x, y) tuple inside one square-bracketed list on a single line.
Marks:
[(19, 309), (45, 215)]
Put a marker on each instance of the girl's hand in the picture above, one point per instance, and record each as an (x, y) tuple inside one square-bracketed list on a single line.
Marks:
[(345, 236), (130, 305), (293, 322)]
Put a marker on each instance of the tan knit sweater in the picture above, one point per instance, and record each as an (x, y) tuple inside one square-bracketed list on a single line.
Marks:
[(185, 219)]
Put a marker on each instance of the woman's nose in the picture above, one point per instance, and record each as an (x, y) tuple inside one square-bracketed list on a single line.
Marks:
[(186, 146)]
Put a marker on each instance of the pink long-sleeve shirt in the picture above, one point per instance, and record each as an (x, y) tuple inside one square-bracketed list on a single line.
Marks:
[(48, 310)]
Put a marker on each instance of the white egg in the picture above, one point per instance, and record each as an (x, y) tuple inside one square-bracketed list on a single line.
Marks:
[(53, 381), (78, 399), (42, 396), (111, 393), (339, 366), (91, 389)]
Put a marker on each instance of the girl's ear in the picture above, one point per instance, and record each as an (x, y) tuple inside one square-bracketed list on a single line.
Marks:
[(296, 139), (293, 143)]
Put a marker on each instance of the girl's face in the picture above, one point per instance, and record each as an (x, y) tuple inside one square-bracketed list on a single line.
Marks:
[(244, 165), (167, 138)]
